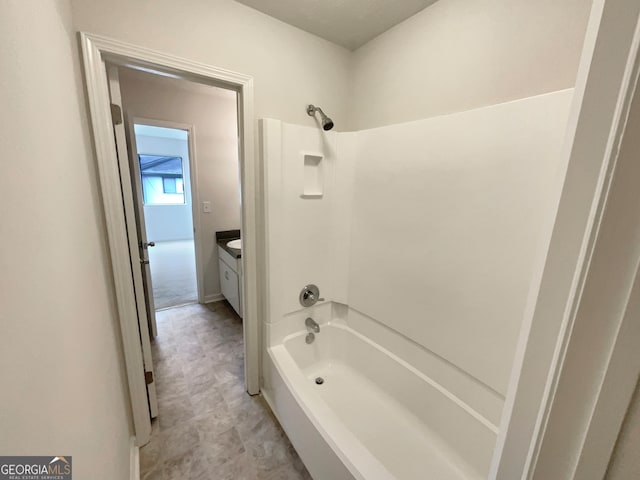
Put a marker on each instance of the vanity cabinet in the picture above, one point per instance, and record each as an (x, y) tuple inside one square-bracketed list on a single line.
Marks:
[(231, 279)]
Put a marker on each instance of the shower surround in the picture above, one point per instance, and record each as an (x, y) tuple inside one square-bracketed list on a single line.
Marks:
[(422, 238)]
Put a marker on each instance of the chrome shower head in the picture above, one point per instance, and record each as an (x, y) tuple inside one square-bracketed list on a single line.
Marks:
[(327, 123)]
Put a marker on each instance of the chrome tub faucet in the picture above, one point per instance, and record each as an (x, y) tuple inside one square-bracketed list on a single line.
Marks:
[(312, 328), (312, 325)]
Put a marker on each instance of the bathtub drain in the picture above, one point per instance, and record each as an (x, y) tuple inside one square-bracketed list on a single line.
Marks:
[(319, 380)]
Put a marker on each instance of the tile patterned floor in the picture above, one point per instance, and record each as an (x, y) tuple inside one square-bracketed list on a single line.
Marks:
[(208, 427)]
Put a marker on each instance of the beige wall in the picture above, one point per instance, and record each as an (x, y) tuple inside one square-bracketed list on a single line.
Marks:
[(291, 68), (453, 56), (625, 461), (458, 54), (213, 113), (63, 387)]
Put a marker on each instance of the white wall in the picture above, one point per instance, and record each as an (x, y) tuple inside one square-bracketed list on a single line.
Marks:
[(428, 231), (597, 358), (457, 55), (213, 113), (291, 68), (54, 241), (453, 56), (168, 222), (446, 223), (301, 231), (596, 105), (63, 385)]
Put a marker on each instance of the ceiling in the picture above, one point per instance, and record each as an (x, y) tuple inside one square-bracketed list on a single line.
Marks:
[(350, 23)]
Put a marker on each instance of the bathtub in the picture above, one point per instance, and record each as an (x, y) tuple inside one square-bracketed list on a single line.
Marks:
[(374, 416)]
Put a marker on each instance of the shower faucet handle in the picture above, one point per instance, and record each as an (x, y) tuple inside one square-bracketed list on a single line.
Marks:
[(310, 295)]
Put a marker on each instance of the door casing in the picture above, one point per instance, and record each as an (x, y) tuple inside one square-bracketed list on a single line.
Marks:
[(135, 236), (97, 50), (132, 120), (604, 86)]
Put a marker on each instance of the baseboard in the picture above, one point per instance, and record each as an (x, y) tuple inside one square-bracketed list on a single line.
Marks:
[(134, 460), (216, 297)]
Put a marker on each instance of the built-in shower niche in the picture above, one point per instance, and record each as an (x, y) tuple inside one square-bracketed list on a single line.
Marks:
[(313, 175)]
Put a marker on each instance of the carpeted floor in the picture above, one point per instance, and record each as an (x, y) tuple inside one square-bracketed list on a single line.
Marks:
[(173, 273)]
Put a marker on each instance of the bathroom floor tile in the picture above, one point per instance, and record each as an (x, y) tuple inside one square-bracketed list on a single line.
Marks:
[(179, 441), (174, 411), (208, 427), (192, 464)]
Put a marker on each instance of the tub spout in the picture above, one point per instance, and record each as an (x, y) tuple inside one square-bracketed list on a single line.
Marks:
[(312, 325)]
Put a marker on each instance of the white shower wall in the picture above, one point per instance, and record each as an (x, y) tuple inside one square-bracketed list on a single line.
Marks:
[(446, 223), (303, 234), (428, 231)]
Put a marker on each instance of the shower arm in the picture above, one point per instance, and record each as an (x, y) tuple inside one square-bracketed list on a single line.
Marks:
[(327, 123), (312, 109)]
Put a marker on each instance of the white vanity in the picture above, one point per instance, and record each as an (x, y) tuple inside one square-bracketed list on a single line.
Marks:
[(230, 264)]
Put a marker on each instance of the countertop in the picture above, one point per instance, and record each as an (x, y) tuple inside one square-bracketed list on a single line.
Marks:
[(224, 237)]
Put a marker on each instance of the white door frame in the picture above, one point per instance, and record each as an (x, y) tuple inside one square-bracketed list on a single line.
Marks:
[(133, 119), (603, 92), (598, 361), (96, 51), (137, 254)]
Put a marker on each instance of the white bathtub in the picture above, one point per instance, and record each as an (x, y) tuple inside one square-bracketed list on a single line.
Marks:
[(375, 416)]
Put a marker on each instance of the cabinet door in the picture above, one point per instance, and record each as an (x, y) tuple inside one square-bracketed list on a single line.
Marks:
[(229, 285)]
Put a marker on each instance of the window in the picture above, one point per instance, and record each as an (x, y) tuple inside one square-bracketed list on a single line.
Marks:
[(162, 179), (169, 185)]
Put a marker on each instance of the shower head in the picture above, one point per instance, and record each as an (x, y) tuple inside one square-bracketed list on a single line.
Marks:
[(327, 123)]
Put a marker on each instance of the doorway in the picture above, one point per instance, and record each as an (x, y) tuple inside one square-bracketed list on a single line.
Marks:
[(106, 116), (162, 177), (168, 184)]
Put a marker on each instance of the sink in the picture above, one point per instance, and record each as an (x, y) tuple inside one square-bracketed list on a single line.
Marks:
[(237, 244)]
